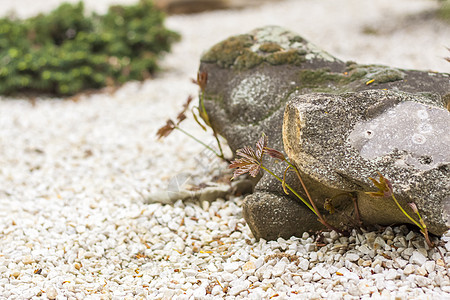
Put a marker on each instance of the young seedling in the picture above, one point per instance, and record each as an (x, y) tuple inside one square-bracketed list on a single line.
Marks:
[(167, 129), (251, 162), (385, 190)]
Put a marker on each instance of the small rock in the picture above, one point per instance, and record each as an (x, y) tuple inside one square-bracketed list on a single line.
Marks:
[(190, 272), (430, 266), (307, 277), (391, 274), (324, 273), (334, 235), (228, 277), (366, 263), (421, 271), (370, 238), (267, 273), (447, 246), (410, 235), (379, 243), (417, 258), (199, 293), (27, 259), (249, 267), (409, 269), (388, 234), (303, 264), (279, 268), (238, 286), (310, 247), (51, 293), (15, 273), (365, 250), (212, 268), (400, 262), (231, 267), (352, 256), (316, 277), (407, 252), (422, 281)]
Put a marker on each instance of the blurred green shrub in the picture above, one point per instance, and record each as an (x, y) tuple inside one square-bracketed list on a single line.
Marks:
[(444, 10), (66, 51)]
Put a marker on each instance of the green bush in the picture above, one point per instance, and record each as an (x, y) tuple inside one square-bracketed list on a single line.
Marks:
[(66, 51), (444, 10)]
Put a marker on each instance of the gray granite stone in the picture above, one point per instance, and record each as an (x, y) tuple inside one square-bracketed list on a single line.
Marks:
[(252, 77)]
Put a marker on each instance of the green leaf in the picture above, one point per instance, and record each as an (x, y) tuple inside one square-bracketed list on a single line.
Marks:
[(197, 120)]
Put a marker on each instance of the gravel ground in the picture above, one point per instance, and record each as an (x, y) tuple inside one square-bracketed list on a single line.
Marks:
[(73, 177)]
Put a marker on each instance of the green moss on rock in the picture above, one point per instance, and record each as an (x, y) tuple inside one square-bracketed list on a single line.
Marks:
[(297, 39), (292, 56), (270, 47), (318, 77), (247, 60), (226, 52), (387, 75)]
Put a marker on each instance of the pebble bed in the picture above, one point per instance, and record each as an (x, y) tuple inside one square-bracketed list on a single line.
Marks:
[(75, 176)]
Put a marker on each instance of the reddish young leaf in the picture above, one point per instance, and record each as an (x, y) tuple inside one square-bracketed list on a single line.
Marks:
[(248, 153), (274, 153), (244, 165), (260, 145), (250, 161)]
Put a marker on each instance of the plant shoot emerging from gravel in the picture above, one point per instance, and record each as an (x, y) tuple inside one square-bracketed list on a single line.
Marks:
[(197, 112), (385, 190), (251, 162)]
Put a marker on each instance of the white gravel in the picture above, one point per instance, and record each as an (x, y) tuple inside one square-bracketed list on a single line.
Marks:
[(73, 176)]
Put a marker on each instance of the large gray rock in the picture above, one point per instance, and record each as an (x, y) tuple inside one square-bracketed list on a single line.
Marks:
[(252, 77), (341, 140)]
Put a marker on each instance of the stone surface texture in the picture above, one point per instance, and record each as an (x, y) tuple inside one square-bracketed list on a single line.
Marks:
[(330, 138), (251, 78)]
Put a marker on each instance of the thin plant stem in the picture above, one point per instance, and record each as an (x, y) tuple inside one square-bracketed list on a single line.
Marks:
[(406, 214), (220, 146), (423, 229), (358, 217), (291, 189), (202, 104), (199, 141), (317, 212)]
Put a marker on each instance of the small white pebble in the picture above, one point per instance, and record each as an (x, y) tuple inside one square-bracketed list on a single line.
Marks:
[(51, 293)]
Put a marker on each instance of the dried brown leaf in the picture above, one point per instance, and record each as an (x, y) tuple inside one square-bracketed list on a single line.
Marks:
[(166, 129), (202, 79), (182, 115)]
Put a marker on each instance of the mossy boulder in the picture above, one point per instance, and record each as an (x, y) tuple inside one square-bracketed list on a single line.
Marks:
[(252, 77)]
